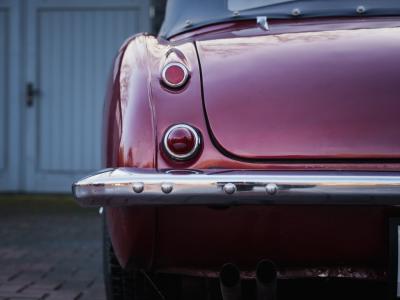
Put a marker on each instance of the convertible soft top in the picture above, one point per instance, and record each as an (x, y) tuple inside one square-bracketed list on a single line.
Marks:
[(185, 15)]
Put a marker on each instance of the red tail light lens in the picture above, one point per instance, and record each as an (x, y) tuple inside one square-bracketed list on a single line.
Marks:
[(175, 75), (181, 142)]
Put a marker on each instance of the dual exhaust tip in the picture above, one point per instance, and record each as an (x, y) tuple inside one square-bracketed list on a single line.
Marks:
[(266, 277)]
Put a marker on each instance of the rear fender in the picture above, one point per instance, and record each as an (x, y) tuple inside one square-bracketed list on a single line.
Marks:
[(129, 140)]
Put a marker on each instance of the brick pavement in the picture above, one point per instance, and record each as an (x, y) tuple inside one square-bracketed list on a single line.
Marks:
[(49, 249)]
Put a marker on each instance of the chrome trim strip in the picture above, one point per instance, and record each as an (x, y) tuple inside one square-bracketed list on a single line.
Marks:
[(129, 186)]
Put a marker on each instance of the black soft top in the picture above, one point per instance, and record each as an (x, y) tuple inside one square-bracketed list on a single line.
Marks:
[(185, 15)]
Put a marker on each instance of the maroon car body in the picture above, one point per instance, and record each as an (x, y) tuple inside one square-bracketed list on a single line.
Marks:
[(311, 94)]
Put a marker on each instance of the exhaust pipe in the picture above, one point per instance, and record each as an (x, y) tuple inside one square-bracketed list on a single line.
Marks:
[(266, 280), (229, 280)]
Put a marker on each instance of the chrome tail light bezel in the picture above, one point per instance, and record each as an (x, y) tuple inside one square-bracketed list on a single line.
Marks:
[(171, 84), (190, 154)]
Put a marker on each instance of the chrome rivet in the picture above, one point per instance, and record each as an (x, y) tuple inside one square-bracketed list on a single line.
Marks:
[(296, 12), (229, 188), (360, 9), (236, 13), (271, 188), (138, 187), (166, 188), (101, 210), (188, 23)]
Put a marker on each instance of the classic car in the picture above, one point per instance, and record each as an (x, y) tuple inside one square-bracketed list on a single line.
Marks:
[(250, 145)]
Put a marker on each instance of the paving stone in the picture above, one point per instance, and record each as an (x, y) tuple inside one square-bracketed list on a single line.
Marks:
[(75, 285), (28, 275), (29, 293), (64, 295), (13, 287), (92, 296), (20, 295), (21, 298), (46, 284), (49, 254)]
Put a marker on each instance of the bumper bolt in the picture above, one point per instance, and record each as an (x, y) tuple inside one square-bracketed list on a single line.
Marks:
[(138, 187), (271, 188), (229, 188), (166, 188)]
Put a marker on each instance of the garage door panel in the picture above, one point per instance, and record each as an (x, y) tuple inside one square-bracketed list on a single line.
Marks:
[(76, 52), (4, 28)]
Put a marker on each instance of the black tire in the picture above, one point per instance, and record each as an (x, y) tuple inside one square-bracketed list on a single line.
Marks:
[(124, 284), (120, 284)]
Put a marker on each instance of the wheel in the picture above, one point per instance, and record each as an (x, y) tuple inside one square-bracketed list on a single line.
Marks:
[(121, 284)]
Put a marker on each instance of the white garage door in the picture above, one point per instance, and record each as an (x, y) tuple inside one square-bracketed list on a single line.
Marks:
[(70, 47)]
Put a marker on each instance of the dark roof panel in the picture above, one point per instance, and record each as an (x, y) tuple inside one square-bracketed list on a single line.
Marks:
[(185, 15)]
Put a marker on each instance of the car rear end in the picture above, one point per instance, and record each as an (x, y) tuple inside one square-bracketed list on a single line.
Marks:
[(296, 161)]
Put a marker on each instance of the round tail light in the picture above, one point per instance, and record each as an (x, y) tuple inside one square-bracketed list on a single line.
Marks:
[(175, 75), (181, 142)]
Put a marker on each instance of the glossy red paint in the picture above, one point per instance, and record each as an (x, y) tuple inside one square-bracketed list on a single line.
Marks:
[(313, 95), (130, 141), (291, 236), (142, 109)]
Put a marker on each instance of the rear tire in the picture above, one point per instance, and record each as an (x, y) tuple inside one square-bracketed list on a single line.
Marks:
[(127, 284), (120, 283)]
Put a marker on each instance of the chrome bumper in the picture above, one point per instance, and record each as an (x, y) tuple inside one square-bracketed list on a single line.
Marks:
[(129, 186)]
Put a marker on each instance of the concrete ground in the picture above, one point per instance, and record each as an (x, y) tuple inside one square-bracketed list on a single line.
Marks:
[(49, 249)]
